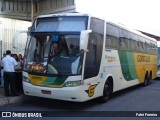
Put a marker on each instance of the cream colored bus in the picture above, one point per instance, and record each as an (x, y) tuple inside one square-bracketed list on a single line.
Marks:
[(158, 69), (94, 58)]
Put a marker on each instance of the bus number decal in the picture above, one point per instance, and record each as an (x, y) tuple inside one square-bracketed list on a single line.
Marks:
[(91, 90)]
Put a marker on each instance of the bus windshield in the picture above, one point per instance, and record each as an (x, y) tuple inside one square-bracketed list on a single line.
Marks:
[(54, 54)]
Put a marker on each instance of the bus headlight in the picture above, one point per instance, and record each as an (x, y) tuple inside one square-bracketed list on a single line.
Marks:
[(26, 79), (73, 83)]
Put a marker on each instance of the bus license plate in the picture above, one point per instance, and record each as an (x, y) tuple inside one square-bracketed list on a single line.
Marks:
[(46, 92)]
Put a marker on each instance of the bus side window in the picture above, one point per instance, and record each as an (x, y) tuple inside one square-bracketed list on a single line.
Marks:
[(147, 48), (90, 64), (93, 56), (95, 47), (112, 36), (156, 50), (115, 43), (133, 46), (128, 42), (108, 42), (140, 46), (122, 44)]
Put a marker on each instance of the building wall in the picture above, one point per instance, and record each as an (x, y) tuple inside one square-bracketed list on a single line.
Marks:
[(22, 9), (17, 9), (8, 27), (53, 6)]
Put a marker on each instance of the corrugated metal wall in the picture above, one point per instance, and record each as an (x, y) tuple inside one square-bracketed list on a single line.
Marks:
[(53, 6), (8, 27), (22, 9), (16, 9)]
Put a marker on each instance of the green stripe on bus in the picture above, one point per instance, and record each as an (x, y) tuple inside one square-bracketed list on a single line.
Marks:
[(127, 65), (55, 80), (132, 66)]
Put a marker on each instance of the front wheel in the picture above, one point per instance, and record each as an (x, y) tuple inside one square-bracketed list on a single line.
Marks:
[(106, 92)]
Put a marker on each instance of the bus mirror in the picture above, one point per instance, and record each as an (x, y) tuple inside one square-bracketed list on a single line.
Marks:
[(15, 38), (84, 39)]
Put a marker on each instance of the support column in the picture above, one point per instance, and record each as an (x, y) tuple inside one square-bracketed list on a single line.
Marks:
[(32, 11)]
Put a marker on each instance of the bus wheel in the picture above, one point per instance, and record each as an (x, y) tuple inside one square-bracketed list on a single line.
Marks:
[(146, 79), (106, 92), (149, 78)]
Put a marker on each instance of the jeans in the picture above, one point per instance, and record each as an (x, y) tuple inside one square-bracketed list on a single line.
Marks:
[(2, 78)]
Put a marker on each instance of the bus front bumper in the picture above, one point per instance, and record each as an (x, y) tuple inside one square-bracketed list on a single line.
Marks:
[(66, 93)]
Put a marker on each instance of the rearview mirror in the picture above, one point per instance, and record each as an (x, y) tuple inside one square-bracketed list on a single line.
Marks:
[(84, 39)]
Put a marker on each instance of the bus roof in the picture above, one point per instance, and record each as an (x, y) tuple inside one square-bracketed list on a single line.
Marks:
[(109, 22), (62, 14)]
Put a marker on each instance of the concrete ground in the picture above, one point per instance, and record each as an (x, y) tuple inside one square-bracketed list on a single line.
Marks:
[(1, 92), (134, 100), (9, 100)]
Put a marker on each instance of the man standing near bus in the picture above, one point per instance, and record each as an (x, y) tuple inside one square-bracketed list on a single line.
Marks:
[(2, 72), (8, 64)]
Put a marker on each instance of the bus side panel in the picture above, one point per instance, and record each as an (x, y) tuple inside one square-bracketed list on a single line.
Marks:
[(145, 63), (112, 66), (128, 65)]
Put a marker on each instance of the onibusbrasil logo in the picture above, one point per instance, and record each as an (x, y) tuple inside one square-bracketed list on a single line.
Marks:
[(21, 114)]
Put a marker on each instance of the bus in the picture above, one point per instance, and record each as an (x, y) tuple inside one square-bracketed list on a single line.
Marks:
[(158, 69), (94, 58)]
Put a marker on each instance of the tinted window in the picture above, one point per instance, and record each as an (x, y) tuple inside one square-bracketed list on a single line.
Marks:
[(112, 36), (95, 46)]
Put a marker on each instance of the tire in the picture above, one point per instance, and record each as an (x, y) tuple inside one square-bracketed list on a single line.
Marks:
[(149, 78), (106, 92), (146, 79)]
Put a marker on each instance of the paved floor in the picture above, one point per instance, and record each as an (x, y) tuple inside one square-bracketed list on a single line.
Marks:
[(137, 98), (1, 92), (9, 100)]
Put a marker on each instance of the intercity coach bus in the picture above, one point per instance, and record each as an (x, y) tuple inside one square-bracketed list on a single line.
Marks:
[(94, 58), (158, 69)]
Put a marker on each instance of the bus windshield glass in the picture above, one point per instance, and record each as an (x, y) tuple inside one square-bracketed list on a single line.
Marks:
[(54, 54)]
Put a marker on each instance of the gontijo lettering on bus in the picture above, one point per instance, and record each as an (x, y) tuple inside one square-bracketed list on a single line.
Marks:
[(143, 58)]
